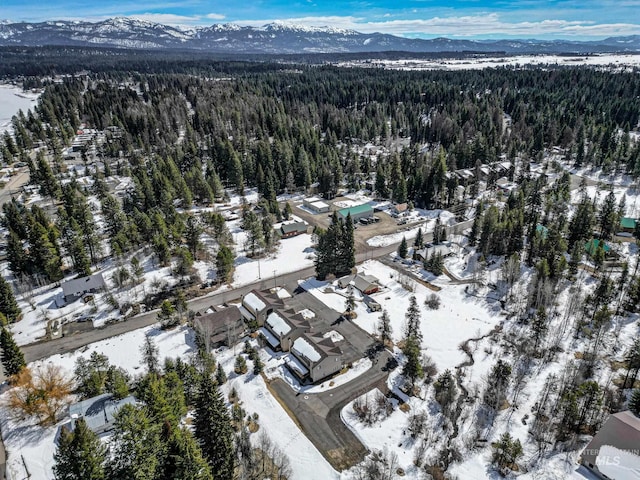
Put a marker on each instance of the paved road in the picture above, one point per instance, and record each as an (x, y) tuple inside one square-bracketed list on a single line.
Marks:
[(319, 414), (12, 187), (67, 344)]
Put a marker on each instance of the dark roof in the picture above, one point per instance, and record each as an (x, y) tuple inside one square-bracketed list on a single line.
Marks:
[(217, 321), (324, 346)]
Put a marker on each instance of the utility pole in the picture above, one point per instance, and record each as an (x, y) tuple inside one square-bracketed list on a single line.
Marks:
[(274, 280), (259, 275)]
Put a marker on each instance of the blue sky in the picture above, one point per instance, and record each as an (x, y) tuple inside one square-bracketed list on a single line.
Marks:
[(566, 19)]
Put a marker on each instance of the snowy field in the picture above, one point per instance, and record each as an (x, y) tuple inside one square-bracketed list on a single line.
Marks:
[(13, 99), (459, 318), (620, 61)]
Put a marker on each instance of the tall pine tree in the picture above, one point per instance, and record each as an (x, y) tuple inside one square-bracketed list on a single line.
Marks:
[(8, 305), (12, 357), (80, 454), (213, 429)]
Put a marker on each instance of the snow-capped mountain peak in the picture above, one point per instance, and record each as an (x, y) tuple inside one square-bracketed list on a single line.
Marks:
[(275, 37)]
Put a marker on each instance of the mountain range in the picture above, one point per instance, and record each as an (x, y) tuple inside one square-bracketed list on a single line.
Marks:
[(274, 38)]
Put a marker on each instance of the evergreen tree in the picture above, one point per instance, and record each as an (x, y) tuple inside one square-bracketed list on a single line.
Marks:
[(413, 367), (384, 328), (213, 429), (381, 182), (149, 352), (136, 446), (538, 327), (419, 241), (224, 263), (403, 250), (221, 376), (350, 301), (80, 454), (192, 234), (412, 329), (184, 459), (609, 217), (445, 390), (8, 305), (507, 451), (477, 223), (12, 357)]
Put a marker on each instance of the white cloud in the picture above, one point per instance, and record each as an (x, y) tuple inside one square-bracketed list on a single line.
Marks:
[(214, 16), (482, 25)]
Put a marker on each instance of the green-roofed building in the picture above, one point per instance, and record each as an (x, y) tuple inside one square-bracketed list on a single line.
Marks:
[(357, 212), (592, 245), (628, 224)]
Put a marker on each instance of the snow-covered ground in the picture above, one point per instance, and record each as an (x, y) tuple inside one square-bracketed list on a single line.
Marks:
[(427, 219), (459, 318), (620, 61), (13, 99)]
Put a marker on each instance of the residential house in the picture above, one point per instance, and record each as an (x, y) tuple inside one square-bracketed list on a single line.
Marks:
[(293, 229), (282, 327), (614, 451), (223, 326), (79, 287), (98, 412), (400, 209), (257, 305), (366, 284), (315, 357), (430, 250)]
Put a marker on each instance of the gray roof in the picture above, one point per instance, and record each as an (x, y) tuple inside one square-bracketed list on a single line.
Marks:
[(98, 412), (364, 282), (78, 286), (294, 227)]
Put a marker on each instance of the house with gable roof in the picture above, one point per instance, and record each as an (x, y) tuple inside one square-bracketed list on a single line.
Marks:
[(318, 356)]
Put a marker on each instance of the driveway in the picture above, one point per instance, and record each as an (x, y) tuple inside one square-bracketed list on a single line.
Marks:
[(318, 415)]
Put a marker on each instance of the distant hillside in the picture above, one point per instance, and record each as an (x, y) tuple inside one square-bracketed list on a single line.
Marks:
[(274, 38)]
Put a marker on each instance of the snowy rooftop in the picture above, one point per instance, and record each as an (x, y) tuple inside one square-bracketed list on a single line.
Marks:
[(278, 324), (253, 302), (304, 348)]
